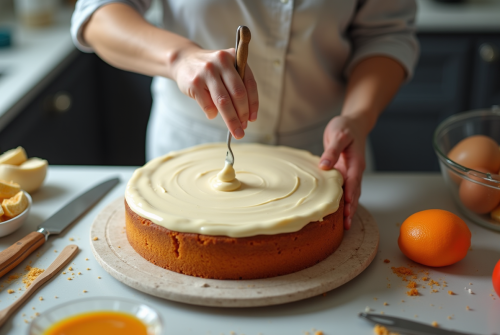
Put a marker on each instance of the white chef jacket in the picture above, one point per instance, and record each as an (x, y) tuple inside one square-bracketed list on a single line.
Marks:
[(301, 54)]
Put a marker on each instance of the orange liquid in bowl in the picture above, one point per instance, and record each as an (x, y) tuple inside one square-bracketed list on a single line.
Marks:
[(99, 323)]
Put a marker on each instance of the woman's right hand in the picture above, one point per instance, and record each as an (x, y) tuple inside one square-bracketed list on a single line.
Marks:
[(209, 77)]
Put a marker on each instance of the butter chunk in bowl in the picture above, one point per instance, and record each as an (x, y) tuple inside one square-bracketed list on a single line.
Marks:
[(29, 173)]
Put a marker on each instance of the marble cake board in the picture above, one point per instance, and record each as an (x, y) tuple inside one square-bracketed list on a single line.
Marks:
[(118, 258)]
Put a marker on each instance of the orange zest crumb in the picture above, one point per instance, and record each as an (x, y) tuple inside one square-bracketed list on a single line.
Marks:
[(411, 284), (413, 292), (386, 261), (425, 278)]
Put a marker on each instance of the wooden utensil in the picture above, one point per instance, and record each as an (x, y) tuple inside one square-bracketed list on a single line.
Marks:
[(243, 37), (16, 253), (64, 257)]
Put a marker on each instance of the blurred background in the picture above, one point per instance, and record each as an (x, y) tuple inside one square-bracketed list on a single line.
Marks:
[(72, 108)]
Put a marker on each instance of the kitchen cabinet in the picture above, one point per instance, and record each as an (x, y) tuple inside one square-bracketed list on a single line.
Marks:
[(455, 73), (91, 114)]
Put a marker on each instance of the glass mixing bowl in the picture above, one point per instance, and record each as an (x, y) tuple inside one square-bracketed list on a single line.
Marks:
[(451, 131)]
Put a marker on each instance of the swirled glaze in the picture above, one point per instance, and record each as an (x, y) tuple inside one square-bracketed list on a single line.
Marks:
[(282, 190)]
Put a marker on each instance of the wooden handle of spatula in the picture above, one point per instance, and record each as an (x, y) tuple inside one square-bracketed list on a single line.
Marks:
[(64, 257), (242, 51)]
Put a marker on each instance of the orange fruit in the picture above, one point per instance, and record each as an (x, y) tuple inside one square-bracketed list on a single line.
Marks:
[(496, 278), (434, 237)]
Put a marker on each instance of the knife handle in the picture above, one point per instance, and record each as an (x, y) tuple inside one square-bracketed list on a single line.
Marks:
[(16, 253), (242, 50)]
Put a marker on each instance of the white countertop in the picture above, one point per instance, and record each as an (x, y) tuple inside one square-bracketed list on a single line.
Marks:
[(34, 59), (389, 197)]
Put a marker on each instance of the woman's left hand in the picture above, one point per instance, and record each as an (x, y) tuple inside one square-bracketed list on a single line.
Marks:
[(344, 141)]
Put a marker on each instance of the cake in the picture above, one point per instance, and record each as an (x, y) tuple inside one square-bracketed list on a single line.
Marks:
[(277, 214)]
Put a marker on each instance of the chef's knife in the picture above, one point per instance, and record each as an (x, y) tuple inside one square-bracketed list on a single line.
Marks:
[(407, 326), (16, 253)]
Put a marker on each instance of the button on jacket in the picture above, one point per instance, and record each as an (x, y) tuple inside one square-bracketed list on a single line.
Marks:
[(301, 54)]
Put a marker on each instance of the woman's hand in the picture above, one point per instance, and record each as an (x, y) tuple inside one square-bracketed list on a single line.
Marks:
[(211, 79), (344, 142)]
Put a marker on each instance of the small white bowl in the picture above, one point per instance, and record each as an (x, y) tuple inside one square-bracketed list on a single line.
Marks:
[(9, 226)]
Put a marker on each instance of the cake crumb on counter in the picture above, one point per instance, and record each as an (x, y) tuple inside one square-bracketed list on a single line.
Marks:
[(86, 259), (95, 238), (411, 284), (318, 332), (69, 278), (451, 293), (84, 291), (386, 304), (71, 239), (434, 324), (88, 269), (32, 274), (387, 260), (10, 291), (41, 298), (70, 268), (381, 330), (412, 293)]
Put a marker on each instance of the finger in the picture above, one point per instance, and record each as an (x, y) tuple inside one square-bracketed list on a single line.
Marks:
[(352, 187), (333, 148), (204, 100), (222, 100), (234, 85), (253, 94)]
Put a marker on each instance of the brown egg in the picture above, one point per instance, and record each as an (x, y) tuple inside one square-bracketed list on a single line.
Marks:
[(479, 151), (478, 198)]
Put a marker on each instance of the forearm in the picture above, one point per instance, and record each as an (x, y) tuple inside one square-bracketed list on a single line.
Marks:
[(124, 39), (373, 83)]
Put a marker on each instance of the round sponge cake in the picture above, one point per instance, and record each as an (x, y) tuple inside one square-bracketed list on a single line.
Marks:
[(287, 214), (222, 257)]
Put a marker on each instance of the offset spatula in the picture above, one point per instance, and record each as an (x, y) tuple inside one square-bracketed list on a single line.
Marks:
[(16, 253)]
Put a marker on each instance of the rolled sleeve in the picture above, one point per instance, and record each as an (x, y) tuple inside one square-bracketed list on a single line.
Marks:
[(386, 28), (84, 10)]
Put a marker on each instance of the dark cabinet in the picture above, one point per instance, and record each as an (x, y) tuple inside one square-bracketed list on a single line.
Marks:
[(91, 114), (455, 73)]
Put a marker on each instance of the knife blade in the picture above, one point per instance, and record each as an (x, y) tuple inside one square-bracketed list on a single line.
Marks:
[(407, 326), (16, 253)]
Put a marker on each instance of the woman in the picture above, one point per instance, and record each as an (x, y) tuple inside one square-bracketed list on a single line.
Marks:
[(319, 72)]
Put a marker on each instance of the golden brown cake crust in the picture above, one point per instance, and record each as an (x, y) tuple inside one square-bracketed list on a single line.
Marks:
[(221, 257)]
